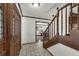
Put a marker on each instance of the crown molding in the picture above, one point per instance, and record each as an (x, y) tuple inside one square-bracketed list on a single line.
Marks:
[(30, 16)]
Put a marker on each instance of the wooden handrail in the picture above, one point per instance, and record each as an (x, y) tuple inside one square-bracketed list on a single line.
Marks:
[(50, 23), (64, 6), (75, 5), (60, 10)]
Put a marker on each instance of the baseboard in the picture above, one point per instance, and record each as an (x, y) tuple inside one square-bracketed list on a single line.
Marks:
[(28, 43), (49, 52)]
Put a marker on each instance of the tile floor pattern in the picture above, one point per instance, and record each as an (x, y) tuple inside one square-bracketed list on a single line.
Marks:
[(34, 49)]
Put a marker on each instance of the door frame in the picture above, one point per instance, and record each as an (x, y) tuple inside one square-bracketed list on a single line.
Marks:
[(36, 28)]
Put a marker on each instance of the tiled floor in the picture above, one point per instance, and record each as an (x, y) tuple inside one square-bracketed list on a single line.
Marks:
[(34, 49)]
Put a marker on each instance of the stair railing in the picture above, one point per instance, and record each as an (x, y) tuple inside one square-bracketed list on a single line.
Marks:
[(60, 22)]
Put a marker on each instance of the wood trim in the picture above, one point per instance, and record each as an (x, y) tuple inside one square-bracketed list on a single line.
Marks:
[(49, 52), (42, 22), (68, 5), (20, 9), (28, 43), (7, 17), (36, 17), (30, 16), (75, 4)]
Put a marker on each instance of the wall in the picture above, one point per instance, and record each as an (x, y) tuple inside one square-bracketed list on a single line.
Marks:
[(28, 29)]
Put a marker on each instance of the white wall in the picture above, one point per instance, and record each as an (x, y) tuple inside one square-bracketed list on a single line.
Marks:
[(28, 29)]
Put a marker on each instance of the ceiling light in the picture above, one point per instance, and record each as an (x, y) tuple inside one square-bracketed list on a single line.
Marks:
[(35, 4)]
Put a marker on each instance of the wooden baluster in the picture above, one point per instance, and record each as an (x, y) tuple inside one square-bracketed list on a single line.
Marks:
[(52, 28), (78, 16), (43, 39), (78, 8), (70, 27), (61, 22), (71, 9), (48, 33), (57, 21), (66, 19)]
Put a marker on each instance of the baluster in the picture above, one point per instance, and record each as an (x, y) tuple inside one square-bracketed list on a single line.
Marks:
[(70, 27), (57, 21), (52, 28), (61, 22), (78, 16), (48, 33), (66, 19)]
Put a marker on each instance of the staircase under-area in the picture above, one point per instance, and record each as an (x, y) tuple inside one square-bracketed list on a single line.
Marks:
[(61, 38)]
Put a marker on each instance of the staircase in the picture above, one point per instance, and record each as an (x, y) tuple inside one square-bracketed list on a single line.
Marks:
[(51, 42), (59, 30)]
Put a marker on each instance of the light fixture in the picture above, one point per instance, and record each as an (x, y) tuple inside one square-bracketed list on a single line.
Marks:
[(35, 4)]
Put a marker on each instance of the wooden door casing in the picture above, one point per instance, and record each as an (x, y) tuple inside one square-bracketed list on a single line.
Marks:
[(11, 42)]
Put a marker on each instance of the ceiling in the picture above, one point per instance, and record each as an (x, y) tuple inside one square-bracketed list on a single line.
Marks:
[(45, 10)]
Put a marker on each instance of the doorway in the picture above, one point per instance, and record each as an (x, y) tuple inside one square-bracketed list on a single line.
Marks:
[(40, 28)]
